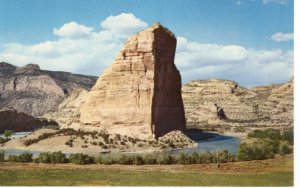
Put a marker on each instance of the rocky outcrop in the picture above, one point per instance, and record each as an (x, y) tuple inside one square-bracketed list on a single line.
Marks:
[(140, 93), (68, 112), (265, 106), (12, 120), (34, 91)]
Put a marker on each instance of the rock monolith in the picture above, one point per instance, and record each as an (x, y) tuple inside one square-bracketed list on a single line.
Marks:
[(140, 93)]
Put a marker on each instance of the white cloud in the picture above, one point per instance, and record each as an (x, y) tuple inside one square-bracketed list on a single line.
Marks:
[(124, 24), (282, 2), (81, 49), (73, 30), (249, 67), (279, 37)]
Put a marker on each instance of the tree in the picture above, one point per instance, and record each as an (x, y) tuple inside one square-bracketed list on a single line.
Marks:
[(2, 156), (285, 149), (8, 133), (150, 159), (25, 158), (58, 157), (288, 135), (45, 157), (79, 158)]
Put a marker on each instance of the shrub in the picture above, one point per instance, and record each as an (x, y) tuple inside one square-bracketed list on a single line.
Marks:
[(2, 156), (104, 146), (256, 134), (171, 145), (126, 160), (150, 159), (25, 158), (140, 144), (261, 149), (288, 136), (205, 158), (58, 157), (285, 149), (8, 133), (166, 159), (12, 158), (183, 159), (194, 158), (99, 160), (138, 160), (3, 140), (79, 158), (273, 134), (109, 161), (222, 156), (45, 157)]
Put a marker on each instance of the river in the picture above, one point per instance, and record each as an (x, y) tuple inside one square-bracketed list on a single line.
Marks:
[(206, 142)]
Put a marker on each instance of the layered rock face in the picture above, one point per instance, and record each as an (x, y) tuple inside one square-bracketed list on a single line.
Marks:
[(34, 91), (140, 93), (265, 106)]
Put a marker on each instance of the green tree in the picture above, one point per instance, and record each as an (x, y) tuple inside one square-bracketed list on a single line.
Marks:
[(150, 159), (12, 158), (45, 157), (2, 156), (25, 158), (80, 158), (285, 149), (58, 157), (288, 135), (8, 133)]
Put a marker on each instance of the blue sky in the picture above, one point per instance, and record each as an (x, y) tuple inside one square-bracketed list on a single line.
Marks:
[(247, 36)]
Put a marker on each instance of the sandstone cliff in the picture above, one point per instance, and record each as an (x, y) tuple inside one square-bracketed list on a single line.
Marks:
[(34, 91), (264, 106), (140, 93)]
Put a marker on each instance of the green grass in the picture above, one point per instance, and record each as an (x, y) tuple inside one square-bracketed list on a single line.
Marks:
[(69, 177)]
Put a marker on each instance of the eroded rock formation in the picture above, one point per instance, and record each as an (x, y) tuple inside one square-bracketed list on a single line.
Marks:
[(140, 93), (263, 106), (33, 91)]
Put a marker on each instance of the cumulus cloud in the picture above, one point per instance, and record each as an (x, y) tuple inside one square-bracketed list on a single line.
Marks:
[(279, 37), (81, 49), (249, 67), (124, 24), (73, 30)]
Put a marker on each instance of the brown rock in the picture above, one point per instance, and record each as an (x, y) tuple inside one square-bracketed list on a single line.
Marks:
[(33, 91), (17, 121), (263, 106), (140, 93)]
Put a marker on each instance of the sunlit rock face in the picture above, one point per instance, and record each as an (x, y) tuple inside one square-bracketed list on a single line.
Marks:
[(140, 93)]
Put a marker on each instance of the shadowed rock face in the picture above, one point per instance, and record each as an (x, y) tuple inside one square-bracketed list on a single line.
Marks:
[(18, 121), (140, 93)]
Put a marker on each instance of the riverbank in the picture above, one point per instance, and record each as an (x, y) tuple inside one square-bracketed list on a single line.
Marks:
[(271, 172), (205, 141)]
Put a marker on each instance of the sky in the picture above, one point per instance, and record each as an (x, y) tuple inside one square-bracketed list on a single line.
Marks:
[(248, 41)]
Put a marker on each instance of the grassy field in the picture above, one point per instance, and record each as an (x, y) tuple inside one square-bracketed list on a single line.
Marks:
[(275, 172)]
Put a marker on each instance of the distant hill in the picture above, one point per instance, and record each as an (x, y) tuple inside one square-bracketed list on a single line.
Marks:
[(263, 106), (33, 91)]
